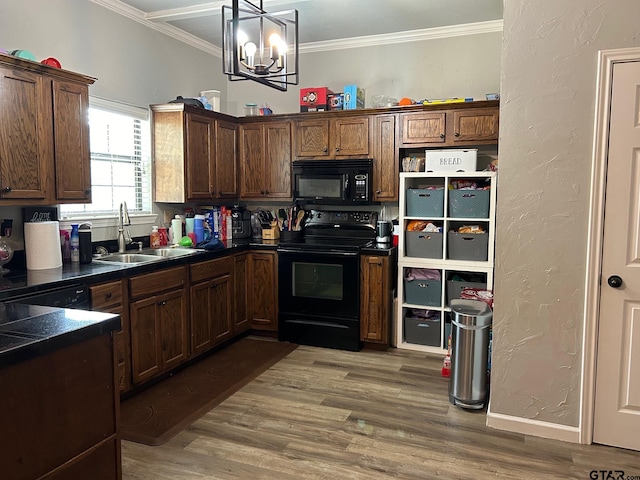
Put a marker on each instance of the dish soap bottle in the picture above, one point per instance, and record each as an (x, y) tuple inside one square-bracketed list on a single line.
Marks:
[(154, 239), (75, 244)]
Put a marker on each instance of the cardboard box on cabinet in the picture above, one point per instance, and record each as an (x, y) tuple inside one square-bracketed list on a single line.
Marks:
[(314, 99), (353, 97)]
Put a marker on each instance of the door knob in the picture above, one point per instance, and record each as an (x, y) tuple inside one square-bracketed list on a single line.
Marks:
[(614, 281)]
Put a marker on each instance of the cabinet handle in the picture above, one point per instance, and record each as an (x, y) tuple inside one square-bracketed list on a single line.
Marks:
[(108, 295), (266, 192), (457, 134), (325, 149), (337, 149), (377, 192), (442, 135), (87, 191), (6, 189), (162, 303)]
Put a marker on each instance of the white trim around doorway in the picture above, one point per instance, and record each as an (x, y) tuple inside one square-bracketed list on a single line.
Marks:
[(606, 60)]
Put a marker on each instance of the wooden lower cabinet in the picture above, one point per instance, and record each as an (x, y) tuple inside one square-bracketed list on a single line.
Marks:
[(211, 295), (111, 297), (159, 322), (263, 288), (60, 415), (241, 293), (376, 298)]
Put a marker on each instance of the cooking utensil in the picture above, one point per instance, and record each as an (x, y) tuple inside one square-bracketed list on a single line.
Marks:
[(299, 218)]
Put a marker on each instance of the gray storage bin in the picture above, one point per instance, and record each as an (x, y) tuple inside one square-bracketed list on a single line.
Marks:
[(469, 203), (423, 244), (425, 202), (423, 292), (455, 287), (468, 246), (422, 331)]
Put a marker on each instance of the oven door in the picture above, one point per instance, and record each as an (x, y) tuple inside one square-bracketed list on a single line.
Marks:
[(319, 283)]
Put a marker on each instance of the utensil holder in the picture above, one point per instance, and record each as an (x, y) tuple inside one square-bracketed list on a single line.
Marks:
[(271, 233)]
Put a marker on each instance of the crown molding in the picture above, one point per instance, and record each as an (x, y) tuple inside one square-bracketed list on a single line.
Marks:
[(330, 45), (403, 37), (139, 16)]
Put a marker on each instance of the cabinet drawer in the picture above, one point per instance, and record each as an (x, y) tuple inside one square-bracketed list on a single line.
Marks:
[(150, 283), (106, 295), (211, 269)]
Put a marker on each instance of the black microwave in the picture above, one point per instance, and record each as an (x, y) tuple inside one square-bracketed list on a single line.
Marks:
[(333, 182)]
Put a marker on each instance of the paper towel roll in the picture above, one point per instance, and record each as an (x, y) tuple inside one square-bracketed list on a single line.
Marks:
[(42, 245)]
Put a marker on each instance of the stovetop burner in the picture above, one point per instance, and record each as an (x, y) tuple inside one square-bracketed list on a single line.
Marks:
[(337, 230)]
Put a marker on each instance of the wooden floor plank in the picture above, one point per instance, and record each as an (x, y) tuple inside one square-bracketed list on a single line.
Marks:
[(323, 414)]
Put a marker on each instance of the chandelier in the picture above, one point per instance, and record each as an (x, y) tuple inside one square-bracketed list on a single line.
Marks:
[(260, 46)]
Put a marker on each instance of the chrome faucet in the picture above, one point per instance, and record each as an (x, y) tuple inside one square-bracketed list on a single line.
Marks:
[(123, 220)]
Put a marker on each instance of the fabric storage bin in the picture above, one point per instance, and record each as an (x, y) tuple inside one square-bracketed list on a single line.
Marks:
[(455, 287), (423, 244), (468, 246), (425, 202), (423, 292), (469, 203), (422, 330)]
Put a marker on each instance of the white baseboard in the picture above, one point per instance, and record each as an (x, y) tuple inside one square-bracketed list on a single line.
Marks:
[(536, 428)]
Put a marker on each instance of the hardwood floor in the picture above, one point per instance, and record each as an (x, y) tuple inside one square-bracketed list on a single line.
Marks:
[(329, 414)]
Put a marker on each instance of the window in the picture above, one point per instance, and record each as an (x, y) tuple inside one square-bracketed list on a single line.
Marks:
[(120, 160)]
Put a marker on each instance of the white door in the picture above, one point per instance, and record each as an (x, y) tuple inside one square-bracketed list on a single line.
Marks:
[(617, 395)]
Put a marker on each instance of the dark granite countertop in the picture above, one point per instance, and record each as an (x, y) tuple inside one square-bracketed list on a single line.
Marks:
[(27, 331)]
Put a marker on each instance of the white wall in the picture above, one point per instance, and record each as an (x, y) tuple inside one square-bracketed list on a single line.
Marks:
[(549, 61), (467, 66)]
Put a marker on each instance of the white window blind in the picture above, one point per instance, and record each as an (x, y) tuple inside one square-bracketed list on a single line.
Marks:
[(120, 160)]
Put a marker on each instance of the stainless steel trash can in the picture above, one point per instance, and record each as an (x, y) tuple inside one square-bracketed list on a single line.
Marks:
[(469, 353)]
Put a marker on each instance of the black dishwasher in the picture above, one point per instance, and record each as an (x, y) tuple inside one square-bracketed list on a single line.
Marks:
[(71, 296)]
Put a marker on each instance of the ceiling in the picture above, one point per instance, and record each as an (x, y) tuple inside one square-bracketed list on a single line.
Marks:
[(323, 24)]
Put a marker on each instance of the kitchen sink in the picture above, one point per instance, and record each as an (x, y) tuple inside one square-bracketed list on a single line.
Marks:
[(128, 258), (169, 252), (145, 255)]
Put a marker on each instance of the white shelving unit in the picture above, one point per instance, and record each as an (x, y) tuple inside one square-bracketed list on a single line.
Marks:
[(458, 257)]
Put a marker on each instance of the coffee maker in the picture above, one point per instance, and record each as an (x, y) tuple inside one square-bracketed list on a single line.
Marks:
[(240, 222)]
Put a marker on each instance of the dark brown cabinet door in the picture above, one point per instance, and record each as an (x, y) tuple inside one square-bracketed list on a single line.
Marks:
[(172, 313), (252, 173), (71, 141), (375, 304), (277, 139), (475, 125), (312, 138), (350, 137), (200, 157), (225, 172), (241, 293), (26, 136), (211, 309), (385, 159), (423, 127), (264, 291), (145, 339)]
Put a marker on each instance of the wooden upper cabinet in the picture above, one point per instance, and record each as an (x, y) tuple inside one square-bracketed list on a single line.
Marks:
[(44, 134), (455, 127), (226, 170), (200, 140), (265, 160), (385, 158), (423, 127), (71, 143), (194, 154), (475, 125), (332, 138), (26, 130)]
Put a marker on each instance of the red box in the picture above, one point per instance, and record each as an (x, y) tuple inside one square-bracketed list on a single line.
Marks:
[(314, 99)]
